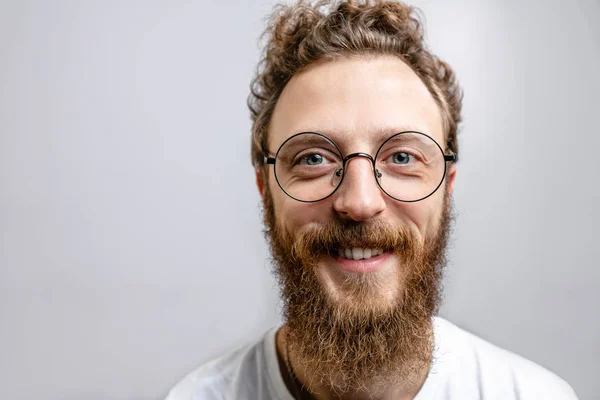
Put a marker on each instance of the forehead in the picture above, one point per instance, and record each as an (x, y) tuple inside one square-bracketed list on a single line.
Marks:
[(357, 102)]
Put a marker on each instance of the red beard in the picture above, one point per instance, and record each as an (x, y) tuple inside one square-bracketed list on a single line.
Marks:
[(359, 344)]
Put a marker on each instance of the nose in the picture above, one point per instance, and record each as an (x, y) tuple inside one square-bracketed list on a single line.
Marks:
[(359, 197)]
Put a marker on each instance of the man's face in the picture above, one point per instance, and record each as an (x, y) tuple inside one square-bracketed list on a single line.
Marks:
[(358, 103)]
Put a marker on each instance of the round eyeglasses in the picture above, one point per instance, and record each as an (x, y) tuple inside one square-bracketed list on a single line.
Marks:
[(409, 166)]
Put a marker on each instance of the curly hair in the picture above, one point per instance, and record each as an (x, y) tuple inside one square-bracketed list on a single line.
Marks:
[(304, 33)]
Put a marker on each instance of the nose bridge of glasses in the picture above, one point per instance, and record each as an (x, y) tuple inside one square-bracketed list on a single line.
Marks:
[(349, 157), (353, 155)]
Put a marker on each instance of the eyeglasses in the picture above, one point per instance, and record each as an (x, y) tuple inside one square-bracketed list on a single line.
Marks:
[(409, 166)]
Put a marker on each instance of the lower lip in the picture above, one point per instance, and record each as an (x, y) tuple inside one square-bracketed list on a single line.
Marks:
[(370, 265)]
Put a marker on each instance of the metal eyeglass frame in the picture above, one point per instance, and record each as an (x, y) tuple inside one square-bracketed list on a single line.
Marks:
[(376, 173)]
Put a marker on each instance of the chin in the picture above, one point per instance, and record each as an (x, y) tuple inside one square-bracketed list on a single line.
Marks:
[(357, 292)]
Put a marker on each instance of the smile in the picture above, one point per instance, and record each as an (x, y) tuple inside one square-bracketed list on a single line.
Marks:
[(358, 253)]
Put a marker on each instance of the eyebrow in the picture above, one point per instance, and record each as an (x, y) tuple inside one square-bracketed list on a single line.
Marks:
[(378, 134)]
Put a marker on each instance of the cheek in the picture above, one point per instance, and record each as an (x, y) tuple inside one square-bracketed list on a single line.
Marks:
[(293, 215), (424, 215)]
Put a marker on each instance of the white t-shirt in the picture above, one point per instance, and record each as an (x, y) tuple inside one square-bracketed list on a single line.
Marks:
[(465, 367)]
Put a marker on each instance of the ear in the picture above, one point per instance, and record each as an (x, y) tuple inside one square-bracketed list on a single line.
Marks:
[(451, 176), (260, 182)]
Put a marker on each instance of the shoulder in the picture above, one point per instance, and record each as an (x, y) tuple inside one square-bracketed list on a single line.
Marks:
[(489, 369), (223, 378)]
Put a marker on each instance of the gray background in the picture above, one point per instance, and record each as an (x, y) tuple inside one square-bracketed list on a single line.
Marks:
[(130, 240)]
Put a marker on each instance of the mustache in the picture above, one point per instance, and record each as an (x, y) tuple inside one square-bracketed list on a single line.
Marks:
[(328, 238)]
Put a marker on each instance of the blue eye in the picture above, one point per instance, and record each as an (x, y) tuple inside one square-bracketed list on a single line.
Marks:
[(312, 159), (401, 158)]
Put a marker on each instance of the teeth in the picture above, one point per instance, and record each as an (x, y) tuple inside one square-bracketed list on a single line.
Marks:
[(358, 253), (348, 253)]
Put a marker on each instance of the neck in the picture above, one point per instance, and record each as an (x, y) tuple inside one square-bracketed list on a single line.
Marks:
[(308, 387)]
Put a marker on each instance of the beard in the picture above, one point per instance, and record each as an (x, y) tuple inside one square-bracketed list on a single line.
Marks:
[(361, 340)]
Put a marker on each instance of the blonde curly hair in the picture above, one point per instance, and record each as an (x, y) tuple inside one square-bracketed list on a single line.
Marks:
[(307, 32)]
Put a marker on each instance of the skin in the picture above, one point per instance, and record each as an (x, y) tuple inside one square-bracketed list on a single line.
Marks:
[(357, 102)]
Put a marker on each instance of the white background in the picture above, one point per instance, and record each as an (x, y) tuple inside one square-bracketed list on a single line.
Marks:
[(130, 239)]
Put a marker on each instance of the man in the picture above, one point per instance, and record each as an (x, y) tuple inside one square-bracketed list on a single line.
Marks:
[(355, 149)]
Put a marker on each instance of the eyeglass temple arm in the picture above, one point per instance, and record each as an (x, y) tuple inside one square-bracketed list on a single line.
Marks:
[(269, 160), (450, 157)]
